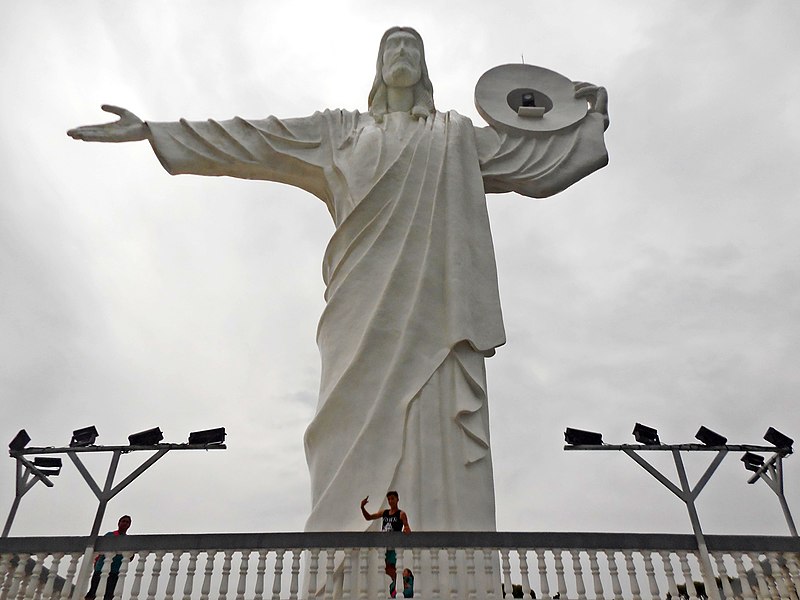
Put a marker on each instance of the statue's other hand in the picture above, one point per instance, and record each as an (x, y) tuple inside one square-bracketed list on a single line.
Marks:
[(129, 128), (596, 96)]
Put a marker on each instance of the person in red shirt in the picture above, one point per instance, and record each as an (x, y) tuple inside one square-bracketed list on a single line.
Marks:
[(123, 525)]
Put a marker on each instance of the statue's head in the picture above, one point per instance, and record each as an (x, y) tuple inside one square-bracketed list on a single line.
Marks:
[(401, 63)]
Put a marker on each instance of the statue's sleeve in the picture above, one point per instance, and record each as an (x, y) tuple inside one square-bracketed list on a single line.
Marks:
[(540, 166), (291, 151)]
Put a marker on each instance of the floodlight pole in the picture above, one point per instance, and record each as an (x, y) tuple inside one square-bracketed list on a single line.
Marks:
[(772, 473), (23, 484), (685, 492), (103, 495)]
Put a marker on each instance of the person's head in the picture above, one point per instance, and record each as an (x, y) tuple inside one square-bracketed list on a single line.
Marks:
[(392, 497), (124, 523), (401, 63), (408, 574)]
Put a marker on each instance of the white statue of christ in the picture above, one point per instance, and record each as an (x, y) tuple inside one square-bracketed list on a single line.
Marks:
[(411, 286)]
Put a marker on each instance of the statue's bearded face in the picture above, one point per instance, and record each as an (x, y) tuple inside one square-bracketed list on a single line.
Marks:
[(401, 60)]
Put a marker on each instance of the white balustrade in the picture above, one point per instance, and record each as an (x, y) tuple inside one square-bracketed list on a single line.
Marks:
[(455, 566)]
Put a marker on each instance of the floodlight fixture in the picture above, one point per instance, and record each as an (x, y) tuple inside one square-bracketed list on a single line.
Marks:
[(646, 435), (20, 441), (752, 461), (149, 437), (48, 462), (83, 437), (208, 436), (779, 440), (710, 438), (579, 437)]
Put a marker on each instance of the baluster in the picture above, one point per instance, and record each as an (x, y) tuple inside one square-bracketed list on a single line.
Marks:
[(542, 568), (104, 571), (651, 574), (294, 583), (672, 587), (400, 566), (577, 569), (72, 570), (137, 577), (488, 572), (562, 582), (594, 567), (691, 591), (435, 581), (794, 573), (347, 574), (363, 573), (33, 580), (51, 578), (472, 592), (277, 578), (727, 590), (191, 570), (506, 566), (636, 593), (779, 583), (261, 569), (208, 572), (244, 566), (169, 593), (156, 573), (16, 578), (226, 575), (453, 570), (329, 567), (741, 571), (122, 575), (763, 588), (313, 569), (6, 574), (378, 583), (416, 555), (613, 571)]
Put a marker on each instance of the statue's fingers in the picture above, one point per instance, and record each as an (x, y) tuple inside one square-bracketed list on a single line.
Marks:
[(123, 113), (586, 90)]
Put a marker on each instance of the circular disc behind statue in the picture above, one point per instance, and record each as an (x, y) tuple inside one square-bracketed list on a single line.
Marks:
[(523, 98)]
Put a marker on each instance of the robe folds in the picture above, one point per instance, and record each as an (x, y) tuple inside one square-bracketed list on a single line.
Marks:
[(412, 304)]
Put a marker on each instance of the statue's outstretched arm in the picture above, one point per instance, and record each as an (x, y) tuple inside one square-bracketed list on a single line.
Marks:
[(129, 128)]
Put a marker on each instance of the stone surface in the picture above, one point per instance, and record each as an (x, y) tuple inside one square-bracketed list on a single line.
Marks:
[(411, 288)]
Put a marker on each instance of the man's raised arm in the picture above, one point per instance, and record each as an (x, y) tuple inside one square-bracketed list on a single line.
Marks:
[(368, 516), (129, 128)]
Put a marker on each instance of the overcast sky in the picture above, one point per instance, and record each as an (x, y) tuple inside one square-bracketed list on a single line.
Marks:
[(662, 289)]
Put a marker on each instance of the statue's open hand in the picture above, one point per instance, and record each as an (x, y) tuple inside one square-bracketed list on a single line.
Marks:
[(596, 96), (129, 128)]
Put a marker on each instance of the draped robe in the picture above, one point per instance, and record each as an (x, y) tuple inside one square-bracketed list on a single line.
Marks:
[(412, 305)]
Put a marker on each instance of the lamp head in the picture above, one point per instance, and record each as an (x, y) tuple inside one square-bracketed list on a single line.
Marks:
[(777, 439), (646, 435), (83, 437), (579, 437), (149, 437), (710, 438), (20, 441), (208, 436)]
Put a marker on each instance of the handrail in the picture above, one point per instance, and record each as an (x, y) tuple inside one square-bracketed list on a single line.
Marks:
[(418, 539)]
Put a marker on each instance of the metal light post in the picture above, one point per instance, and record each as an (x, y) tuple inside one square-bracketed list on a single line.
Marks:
[(83, 442), (648, 441), (771, 471), (28, 474)]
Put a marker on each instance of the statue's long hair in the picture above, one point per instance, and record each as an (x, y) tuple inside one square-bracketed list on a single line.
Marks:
[(423, 89)]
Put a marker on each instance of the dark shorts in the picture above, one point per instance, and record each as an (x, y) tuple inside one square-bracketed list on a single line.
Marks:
[(391, 557)]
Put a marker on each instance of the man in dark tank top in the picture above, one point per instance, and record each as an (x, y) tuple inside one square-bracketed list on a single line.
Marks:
[(392, 519)]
